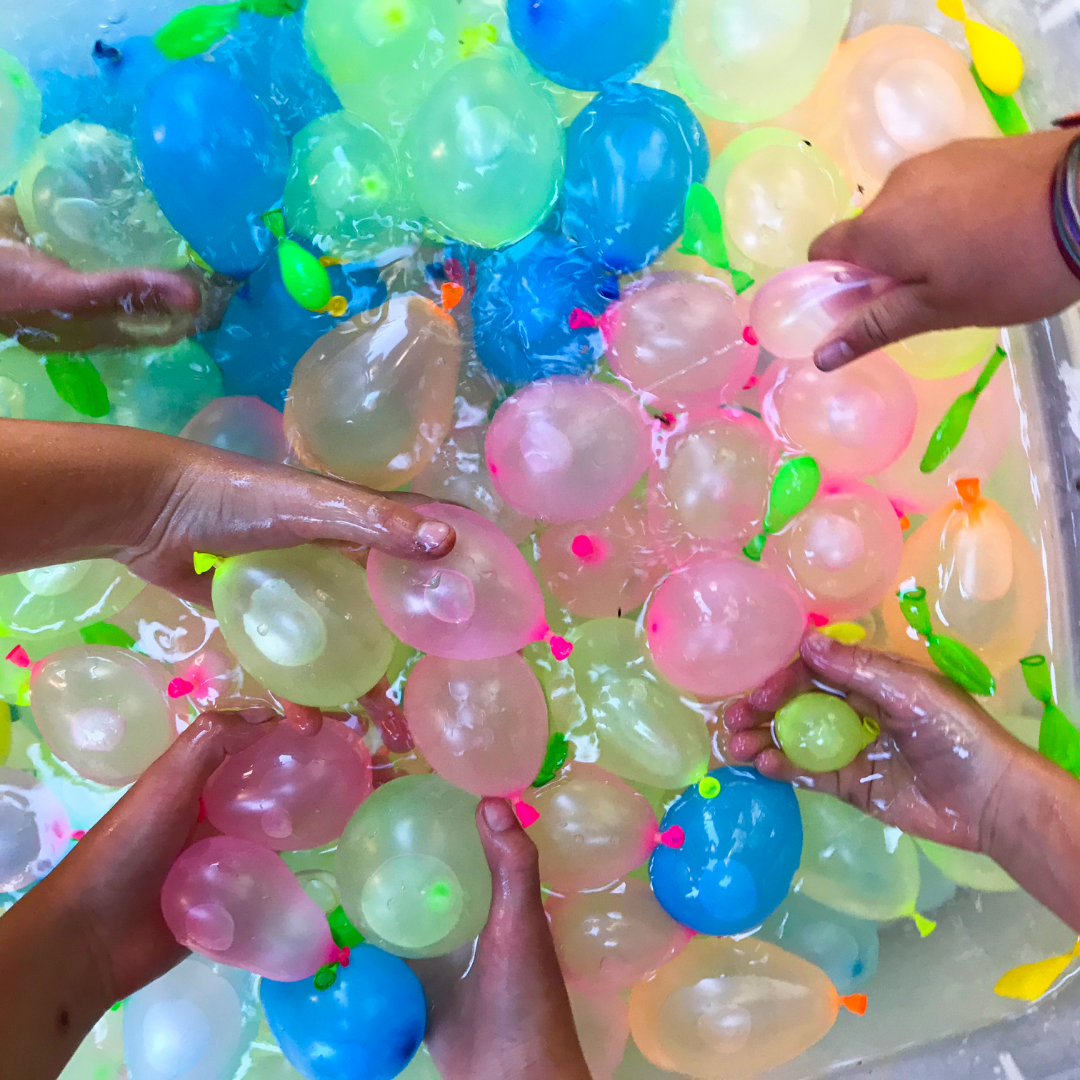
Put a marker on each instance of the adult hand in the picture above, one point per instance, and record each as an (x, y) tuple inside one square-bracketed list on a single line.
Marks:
[(967, 232)]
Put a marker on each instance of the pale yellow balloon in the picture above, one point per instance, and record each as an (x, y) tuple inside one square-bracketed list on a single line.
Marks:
[(943, 353), (968, 868)]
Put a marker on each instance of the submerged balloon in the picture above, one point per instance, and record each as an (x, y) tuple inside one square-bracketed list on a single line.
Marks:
[(480, 601), (678, 340), (740, 850), (821, 732), (968, 868), (367, 1026), (20, 106), (632, 154), (593, 828), (481, 724), (302, 621), (243, 425), (411, 871), (372, 400), (719, 627), (106, 711), (567, 449), (34, 830), (944, 353), (291, 791), (237, 903)]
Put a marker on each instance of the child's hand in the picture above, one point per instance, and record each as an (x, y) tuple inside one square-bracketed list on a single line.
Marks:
[(941, 767)]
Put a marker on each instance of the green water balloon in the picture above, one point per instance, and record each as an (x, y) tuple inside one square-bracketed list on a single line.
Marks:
[(703, 235), (1058, 738), (793, 489), (304, 276), (821, 732), (968, 868)]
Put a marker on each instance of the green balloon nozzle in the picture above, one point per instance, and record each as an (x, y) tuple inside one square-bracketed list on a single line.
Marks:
[(793, 489), (1059, 741), (345, 935), (78, 383), (554, 759), (198, 28), (1005, 110), (951, 657), (703, 235), (954, 424)]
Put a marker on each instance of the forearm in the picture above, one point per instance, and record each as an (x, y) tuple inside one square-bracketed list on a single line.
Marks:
[(79, 491), (51, 989)]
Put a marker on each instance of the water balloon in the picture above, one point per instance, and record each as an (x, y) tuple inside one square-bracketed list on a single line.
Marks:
[(34, 830), (821, 732), (20, 105), (242, 425)]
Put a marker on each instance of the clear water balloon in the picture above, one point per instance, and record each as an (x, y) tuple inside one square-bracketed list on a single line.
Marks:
[(34, 830), (20, 105), (242, 425), (820, 732)]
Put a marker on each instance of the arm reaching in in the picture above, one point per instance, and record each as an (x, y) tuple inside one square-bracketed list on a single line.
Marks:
[(942, 768)]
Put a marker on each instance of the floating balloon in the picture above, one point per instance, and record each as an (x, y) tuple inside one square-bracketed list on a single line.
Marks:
[(983, 581), (968, 868), (799, 308), (777, 193), (480, 601), (855, 864), (600, 568), (587, 45), (997, 61), (1059, 740), (214, 161), (20, 105), (944, 353), (842, 552), (106, 711), (81, 199), (593, 828), (34, 830), (487, 153), (678, 340), (347, 192), (524, 304), (844, 947), (237, 903), (367, 1026), (567, 449), (52, 603), (744, 61), (481, 724), (632, 154), (372, 400), (301, 620), (644, 731), (719, 627), (196, 1022), (792, 490), (603, 1029), (411, 871), (821, 732), (609, 940), (291, 791), (242, 425), (740, 850)]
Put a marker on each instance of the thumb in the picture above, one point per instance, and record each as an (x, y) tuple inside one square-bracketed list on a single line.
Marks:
[(840, 243), (517, 909), (897, 314)]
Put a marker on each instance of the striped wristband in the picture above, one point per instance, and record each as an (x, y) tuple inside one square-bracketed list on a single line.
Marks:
[(1065, 207)]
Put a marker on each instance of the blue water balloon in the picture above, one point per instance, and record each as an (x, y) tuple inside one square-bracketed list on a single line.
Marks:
[(214, 160), (584, 44), (265, 331), (524, 299), (631, 156), (740, 850), (367, 1026)]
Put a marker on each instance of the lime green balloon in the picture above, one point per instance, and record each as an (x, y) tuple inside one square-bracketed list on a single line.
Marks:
[(51, 604), (820, 732), (26, 391), (304, 277), (853, 863), (644, 730), (20, 118), (410, 869), (347, 192), (302, 622), (82, 199), (487, 153), (968, 868)]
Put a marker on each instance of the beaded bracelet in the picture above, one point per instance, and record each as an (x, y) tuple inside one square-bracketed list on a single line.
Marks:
[(1065, 207)]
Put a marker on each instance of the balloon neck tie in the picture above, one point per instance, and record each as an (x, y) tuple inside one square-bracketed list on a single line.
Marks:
[(19, 657), (477, 39), (969, 490), (580, 319), (526, 813), (847, 633), (1059, 741), (708, 787), (672, 837), (179, 687), (924, 925), (750, 337), (452, 294), (204, 562), (855, 1004), (560, 647)]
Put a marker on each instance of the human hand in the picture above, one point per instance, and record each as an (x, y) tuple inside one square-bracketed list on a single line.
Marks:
[(942, 767), (967, 232), (510, 1015)]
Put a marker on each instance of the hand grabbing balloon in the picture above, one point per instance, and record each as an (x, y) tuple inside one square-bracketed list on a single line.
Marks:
[(967, 231)]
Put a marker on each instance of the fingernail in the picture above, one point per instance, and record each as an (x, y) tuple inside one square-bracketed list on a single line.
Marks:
[(498, 815), (835, 354), (432, 535)]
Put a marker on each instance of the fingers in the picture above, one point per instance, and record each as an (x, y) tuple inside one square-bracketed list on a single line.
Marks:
[(836, 243), (129, 291), (899, 313)]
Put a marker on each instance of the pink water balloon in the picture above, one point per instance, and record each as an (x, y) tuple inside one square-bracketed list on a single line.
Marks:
[(602, 567), (478, 602), (567, 449), (720, 627), (678, 340), (236, 902), (794, 312), (855, 421), (481, 724), (291, 791), (593, 828), (244, 425), (608, 940), (842, 552)]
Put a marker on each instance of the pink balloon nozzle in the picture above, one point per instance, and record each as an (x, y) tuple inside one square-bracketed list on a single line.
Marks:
[(178, 688), (580, 319), (18, 656), (673, 837), (526, 814)]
